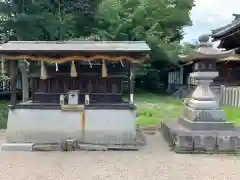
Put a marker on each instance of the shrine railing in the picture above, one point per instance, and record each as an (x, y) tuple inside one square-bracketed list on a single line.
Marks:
[(5, 85), (230, 95)]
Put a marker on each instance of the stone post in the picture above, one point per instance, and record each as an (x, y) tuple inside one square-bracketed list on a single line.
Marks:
[(13, 65)]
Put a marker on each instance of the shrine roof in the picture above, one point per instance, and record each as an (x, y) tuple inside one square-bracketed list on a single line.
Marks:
[(86, 46), (227, 29)]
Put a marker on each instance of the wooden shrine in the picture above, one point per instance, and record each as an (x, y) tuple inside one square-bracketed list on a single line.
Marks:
[(76, 92)]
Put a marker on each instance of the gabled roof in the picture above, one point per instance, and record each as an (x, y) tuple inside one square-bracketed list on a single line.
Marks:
[(227, 29), (106, 46)]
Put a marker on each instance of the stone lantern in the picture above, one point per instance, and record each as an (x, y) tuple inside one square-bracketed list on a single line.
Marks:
[(202, 125)]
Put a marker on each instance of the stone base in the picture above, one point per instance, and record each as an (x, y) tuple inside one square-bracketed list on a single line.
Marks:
[(183, 140), (211, 115), (196, 104), (214, 119), (69, 145), (74, 145), (206, 126)]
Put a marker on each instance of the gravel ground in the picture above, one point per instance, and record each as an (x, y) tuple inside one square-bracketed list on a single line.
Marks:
[(154, 161)]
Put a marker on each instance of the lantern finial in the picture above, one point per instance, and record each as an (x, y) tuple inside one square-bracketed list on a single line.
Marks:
[(204, 38)]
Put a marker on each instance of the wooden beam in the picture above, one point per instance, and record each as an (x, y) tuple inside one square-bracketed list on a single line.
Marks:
[(13, 65)]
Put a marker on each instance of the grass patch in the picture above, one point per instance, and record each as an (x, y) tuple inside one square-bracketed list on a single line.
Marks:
[(3, 114), (153, 109), (232, 114)]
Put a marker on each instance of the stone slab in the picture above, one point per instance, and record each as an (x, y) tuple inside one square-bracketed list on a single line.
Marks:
[(201, 104), (75, 145), (226, 143), (208, 126), (205, 143), (92, 147), (123, 147), (183, 143), (216, 115), (70, 145), (185, 140), (47, 147), (17, 147)]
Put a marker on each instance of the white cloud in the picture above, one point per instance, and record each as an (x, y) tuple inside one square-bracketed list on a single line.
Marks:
[(210, 14)]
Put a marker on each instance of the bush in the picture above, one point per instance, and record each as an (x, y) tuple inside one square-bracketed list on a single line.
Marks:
[(3, 114)]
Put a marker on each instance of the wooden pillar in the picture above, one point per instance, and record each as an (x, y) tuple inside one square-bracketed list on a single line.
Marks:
[(33, 88), (12, 67), (131, 84), (181, 74)]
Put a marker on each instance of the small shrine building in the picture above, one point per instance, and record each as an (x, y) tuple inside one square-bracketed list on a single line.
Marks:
[(76, 92)]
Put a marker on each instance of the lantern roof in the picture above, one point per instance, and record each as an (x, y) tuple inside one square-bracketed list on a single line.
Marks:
[(206, 50)]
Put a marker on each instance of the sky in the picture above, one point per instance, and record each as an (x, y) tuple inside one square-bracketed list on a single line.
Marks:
[(208, 15)]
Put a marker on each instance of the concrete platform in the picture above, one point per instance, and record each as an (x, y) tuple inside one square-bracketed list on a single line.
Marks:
[(42, 126), (183, 140)]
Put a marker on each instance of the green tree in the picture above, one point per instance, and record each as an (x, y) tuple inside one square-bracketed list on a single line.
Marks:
[(47, 19), (187, 48), (17, 25), (158, 22)]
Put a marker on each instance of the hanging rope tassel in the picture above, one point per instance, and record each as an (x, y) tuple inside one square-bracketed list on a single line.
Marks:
[(43, 71), (73, 72), (104, 69), (56, 64)]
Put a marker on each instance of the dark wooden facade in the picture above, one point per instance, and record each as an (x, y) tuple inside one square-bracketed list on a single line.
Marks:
[(89, 81), (229, 38), (229, 75)]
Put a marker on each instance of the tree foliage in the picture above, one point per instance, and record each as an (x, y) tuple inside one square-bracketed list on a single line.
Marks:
[(46, 19), (158, 22), (187, 48)]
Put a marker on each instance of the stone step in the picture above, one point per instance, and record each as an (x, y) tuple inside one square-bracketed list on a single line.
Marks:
[(92, 147), (17, 147)]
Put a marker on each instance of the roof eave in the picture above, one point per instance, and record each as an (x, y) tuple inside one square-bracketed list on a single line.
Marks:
[(75, 46), (224, 32), (87, 51), (199, 55)]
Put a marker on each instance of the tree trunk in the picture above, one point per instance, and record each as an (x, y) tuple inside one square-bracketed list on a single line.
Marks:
[(25, 85)]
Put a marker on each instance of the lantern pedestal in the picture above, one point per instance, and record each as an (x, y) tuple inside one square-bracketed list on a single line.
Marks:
[(202, 97), (202, 111)]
